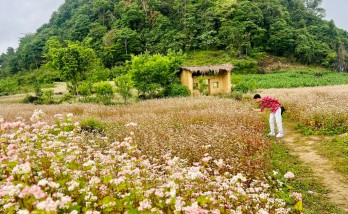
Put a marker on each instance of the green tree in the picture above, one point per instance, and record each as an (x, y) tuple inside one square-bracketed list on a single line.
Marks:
[(124, 85), (118, 44), (74, 61), (151, 73)]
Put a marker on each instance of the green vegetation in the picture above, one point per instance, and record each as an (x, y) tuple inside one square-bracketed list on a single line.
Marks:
[(292, 79), (336, 150), (152, 73), (312, 190), (92, 125), (113, 31)]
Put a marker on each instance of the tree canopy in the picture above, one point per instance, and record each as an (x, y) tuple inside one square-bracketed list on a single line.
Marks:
[(115, 30)]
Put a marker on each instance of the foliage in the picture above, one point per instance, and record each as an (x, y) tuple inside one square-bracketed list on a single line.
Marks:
[(151, 73), (341, 64), (311, 188), (74, 61), (245, 67), (210, 57), (336, 150), (124, 85), (92, 125), (202, 85), (104, 92), (85, 88), (242, 85), (47, 97), (177, 90), (115, 30), (294, 78)]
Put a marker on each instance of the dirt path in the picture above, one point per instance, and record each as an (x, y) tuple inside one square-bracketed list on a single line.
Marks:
[(302, 147)]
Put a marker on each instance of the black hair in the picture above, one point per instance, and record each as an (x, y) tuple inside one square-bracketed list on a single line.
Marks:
[(256, 96)]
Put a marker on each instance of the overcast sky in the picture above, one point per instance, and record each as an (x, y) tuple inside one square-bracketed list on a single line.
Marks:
[(19, 17)]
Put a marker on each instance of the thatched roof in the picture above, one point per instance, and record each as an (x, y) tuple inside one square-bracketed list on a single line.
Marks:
[(216, 69)]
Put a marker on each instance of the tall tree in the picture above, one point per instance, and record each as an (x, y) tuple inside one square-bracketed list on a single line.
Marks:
[(73, 61)]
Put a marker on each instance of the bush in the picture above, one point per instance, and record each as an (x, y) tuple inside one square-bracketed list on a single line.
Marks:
[(246, 67), (85, 89), (177, 90), (47, 97), (67, 98), (30, 99), (92, 125), (104, 91)]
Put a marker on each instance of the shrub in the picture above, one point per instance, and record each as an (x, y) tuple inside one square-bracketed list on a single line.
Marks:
[(202, 85), (104, 91), (246, 67), (30, 99), (47, 97), (177, 90), (85, 89), (92, 125)]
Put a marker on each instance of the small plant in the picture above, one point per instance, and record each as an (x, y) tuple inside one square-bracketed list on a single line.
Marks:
[(92, 125)]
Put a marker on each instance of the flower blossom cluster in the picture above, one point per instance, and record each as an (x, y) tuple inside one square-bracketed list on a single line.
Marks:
[(59, 169)]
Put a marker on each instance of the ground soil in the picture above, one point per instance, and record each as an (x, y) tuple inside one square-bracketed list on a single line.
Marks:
[(303, 147)]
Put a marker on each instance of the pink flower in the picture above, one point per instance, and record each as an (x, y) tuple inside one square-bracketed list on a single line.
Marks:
[(289, 175), (92, 212), (296, 195), (145, 204), (48, 205), (33, 190), (131, 124)]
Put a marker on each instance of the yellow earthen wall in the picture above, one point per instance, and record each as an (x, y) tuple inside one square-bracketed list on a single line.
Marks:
[(223, 80)]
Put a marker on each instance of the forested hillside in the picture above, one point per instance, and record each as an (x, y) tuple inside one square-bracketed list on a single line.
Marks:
[(112, 30)]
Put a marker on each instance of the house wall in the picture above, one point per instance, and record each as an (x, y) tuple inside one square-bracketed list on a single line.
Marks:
[(217, 84), (186, 79)]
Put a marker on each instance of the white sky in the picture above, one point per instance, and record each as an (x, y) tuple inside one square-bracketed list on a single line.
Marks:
[(19, 17), (337, 10)]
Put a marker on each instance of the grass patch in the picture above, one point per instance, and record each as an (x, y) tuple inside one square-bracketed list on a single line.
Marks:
[(295, 78), (336, 150), (304, 181), (207, 58)]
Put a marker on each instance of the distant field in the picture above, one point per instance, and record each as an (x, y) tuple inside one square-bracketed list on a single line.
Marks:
[(294, 78)]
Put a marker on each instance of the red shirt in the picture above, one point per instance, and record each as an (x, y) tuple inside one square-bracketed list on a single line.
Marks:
[(271, 103)]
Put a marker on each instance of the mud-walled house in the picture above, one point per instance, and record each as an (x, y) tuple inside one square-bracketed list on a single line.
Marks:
[(217, 77)]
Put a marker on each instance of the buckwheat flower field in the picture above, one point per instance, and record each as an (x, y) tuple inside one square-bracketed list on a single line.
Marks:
[(321, 109), (202, 155)]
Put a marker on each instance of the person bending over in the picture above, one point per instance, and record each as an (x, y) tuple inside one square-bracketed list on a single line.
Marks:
[(275, 115)]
